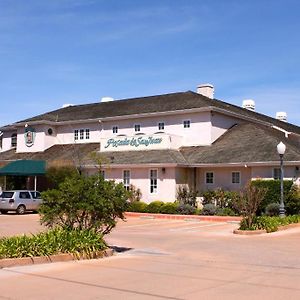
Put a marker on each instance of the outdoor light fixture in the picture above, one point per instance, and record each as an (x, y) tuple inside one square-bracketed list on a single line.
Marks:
[(281, 150)]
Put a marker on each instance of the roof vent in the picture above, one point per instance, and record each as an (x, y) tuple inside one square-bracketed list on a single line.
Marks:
[(107, 99), (249, 104), (67, 105), (206, 90), (282, 116)]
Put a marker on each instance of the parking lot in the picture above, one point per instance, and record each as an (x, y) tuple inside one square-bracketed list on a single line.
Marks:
[(165, 259)]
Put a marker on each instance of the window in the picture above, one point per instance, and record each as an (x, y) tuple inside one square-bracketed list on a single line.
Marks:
[(137, 127), (81, 134), (276, 173), (186, 124), (87, 134), (14, 140), (76, 134), (115, 129), (1, 141), (24, 195), (126, 179), (161, 126), (36, 195), (153, 181), (209, 177), (236, 177)]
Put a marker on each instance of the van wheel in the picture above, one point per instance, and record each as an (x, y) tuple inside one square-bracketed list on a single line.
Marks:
[(21, 209)]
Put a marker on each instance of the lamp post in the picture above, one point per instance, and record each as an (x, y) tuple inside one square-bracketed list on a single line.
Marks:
[(281, 150)]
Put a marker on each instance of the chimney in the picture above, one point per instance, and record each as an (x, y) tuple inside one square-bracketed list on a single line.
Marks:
[(282, 116), (206, 90), (249, 104)]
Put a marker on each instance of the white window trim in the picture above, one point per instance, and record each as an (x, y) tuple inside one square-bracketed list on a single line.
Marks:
[(154, 193), (205, 176), (89, 133), (186, 120), (164, 126), (137, 124), (129, 178), (240, 177)]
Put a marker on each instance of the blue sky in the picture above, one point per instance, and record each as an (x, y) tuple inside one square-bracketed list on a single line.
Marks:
[(78, 51)]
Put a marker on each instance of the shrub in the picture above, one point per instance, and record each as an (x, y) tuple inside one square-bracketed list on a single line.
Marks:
[(135, 194), (154, 207), (272, 209), (186, 209), (292, 201), (272, 194), (81, 202), (248, 202), (209, 209), (226, 211), (56, 175), (169, 208), (186, 196), (55, 241), (137, 206)]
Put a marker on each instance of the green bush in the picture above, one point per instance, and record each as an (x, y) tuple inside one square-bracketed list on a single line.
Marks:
[(186, 209), (272, 188), (272, 209), (155, 207), (169, 208), (81, 202), (226, 211), (135, 194), (292, 201), (56, 175), (270, 224), (55, 241), (186, 196), (137, 206), (209, 209)]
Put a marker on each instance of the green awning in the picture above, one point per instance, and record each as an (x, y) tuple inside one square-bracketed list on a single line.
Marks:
[(24, 168)]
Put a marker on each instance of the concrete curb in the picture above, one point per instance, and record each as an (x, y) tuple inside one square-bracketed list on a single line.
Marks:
[(261, 231), (24, 261), (184, 217)]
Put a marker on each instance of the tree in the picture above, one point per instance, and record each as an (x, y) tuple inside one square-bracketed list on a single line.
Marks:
[(84, 203), (248, 202)]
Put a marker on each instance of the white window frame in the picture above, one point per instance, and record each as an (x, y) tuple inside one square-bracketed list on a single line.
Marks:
[(76, 135), (187, 121), (151, 185), (81, 134), (232, 178), (158, 126), (115, 129), (137, 127), (126, 179), (213, 177), (87, 133), (279, 173), (14, 140)]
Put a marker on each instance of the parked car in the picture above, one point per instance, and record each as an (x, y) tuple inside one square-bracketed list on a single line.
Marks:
[(19, 201)]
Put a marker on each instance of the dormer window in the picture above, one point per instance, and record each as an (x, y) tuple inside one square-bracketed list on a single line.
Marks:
[(115, 129), (14, 140), (137, 127)]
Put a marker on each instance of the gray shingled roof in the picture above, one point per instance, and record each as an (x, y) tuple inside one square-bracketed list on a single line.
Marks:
[(246, 142), (153, 104)]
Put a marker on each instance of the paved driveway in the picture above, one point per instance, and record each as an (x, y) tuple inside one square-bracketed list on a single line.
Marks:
[(168, 260)]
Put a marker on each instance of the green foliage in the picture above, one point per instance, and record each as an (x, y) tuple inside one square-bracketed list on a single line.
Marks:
[(270, 224), (55, 241), (186, 196), (81, 202), (169, 208), (155, 207), (186, 209), (137, 206), (248, 202), (226, 211), (209, 209), (135, 194), (272, 188), (56, 175), (220, 198), (292, 201), (272, 209)]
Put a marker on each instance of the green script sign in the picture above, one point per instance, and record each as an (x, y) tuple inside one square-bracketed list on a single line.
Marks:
[(133, 142)]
